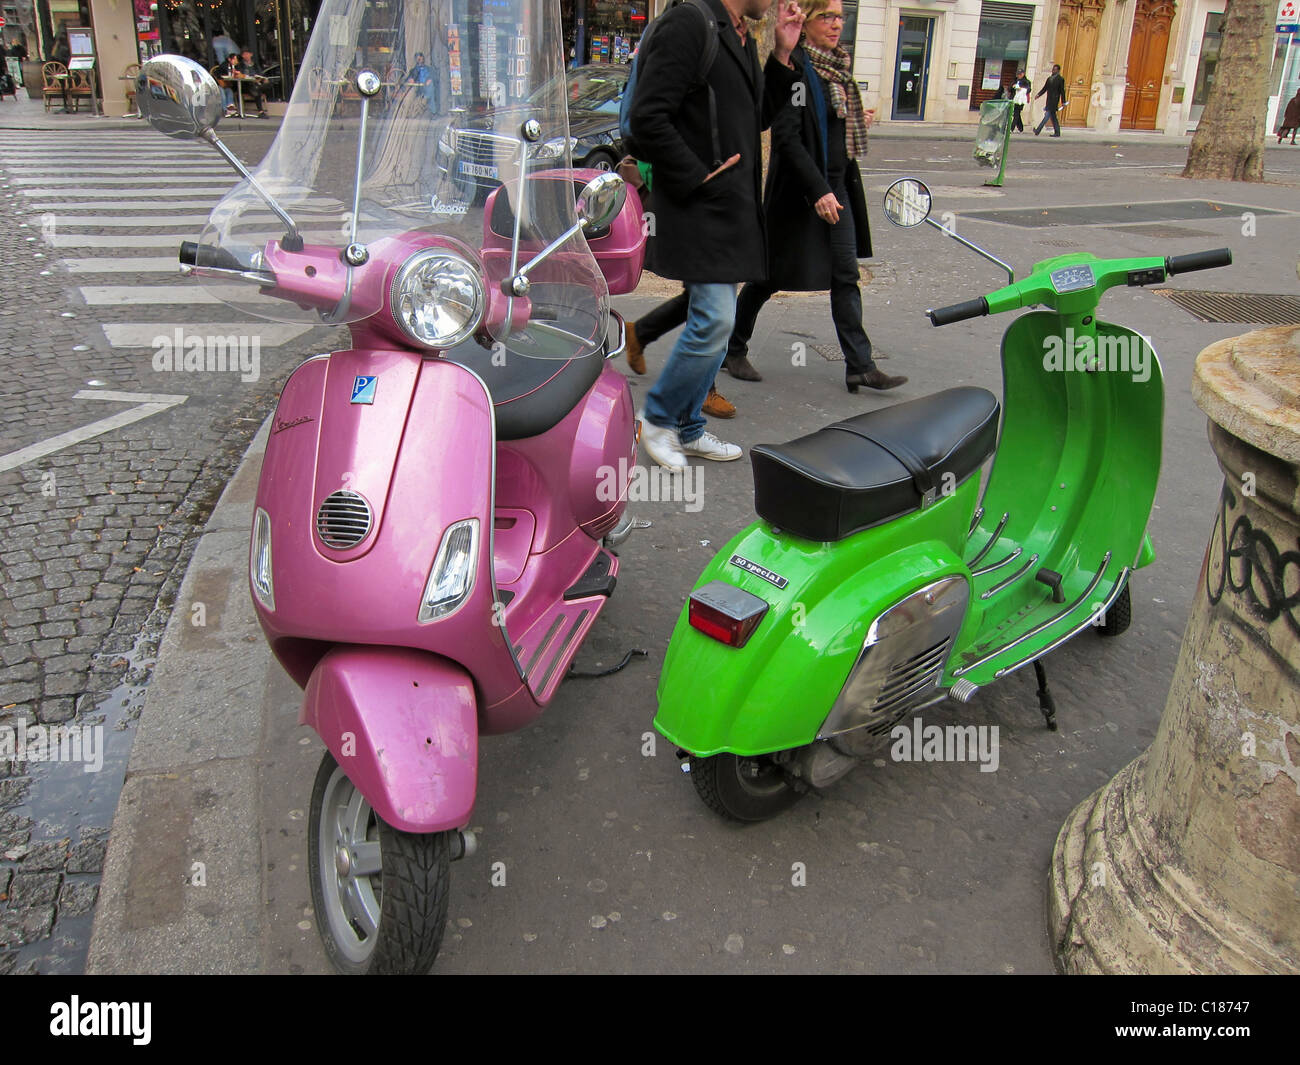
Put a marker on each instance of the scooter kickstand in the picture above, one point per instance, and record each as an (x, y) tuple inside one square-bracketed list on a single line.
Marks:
[(1045, 701)]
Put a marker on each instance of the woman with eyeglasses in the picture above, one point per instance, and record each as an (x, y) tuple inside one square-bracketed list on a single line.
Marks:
[(815, 205)]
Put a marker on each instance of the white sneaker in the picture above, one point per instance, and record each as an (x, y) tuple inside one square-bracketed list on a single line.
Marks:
[(663, 446), (708, 446)]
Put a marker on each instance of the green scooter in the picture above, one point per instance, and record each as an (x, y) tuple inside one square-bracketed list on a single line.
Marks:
[(879, 580)]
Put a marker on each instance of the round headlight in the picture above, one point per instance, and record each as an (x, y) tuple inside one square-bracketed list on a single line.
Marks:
[(438, 298)]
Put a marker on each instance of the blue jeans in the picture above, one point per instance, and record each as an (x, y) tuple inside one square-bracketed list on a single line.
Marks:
[(676, 398)]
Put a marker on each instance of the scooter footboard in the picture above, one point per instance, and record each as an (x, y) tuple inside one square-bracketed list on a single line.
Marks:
[(403, 725)]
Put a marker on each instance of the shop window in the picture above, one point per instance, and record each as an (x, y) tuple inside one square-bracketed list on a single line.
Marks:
[(1001, 50), (1210, 44)]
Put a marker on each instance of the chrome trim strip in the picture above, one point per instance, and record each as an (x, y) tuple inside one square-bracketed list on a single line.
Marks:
[(974, 522), (1119, 587), (622, 335), (1009, 580), (998, 565), (541, 647), (1046, 624), (992, 540)]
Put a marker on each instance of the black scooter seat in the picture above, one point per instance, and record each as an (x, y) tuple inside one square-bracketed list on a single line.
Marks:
[(529, 396), (874, 467)]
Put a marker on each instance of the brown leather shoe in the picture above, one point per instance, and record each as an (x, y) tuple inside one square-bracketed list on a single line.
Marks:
[(740, 368), (874, 378), (635, 353), (717, 405)]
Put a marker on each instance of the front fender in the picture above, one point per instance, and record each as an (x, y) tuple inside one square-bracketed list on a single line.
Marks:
[(403, 725)]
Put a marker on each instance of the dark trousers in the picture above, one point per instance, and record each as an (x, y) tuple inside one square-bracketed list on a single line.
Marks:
[(663, 319), (846, 297), (1016, 122), (1056, 126)]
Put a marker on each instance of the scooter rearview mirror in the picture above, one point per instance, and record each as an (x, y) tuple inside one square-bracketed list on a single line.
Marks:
[(178, 97), (601, 200), (907, 202)]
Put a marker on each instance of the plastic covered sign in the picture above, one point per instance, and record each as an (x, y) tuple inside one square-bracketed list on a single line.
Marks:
[(991, 135)]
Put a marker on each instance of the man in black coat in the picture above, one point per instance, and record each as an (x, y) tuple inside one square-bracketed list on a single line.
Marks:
[(707, 227), (1054, 86)]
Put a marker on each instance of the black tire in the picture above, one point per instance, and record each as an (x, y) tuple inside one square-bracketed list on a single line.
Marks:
[(1118, 615), (600, 160), (742, 789), (411, 889)]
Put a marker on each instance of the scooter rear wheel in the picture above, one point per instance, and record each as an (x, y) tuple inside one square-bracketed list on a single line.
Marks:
[(742, 789), (380, 894)]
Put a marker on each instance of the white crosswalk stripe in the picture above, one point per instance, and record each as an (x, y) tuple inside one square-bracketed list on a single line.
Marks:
[(118, 207)]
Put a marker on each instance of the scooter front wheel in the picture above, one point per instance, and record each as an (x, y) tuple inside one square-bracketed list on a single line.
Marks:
[(380, 894), (742, 789)]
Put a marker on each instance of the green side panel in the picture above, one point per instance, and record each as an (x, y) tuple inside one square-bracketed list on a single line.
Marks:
[(775, 692), (1075, 476), (1148, 553)]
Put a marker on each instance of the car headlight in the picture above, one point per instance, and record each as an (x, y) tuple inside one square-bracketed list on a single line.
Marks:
[(452, 577), (438, 298), (259, 560), (447, 141), (553, 148)]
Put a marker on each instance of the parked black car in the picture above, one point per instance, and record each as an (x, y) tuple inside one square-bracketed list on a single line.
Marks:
[(471, 154)]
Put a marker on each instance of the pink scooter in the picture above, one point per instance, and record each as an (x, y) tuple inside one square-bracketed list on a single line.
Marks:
[(431, 541)]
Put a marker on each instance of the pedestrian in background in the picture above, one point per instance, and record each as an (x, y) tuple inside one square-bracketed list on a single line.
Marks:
[(706, 150), (668, 315), (223, 46), (815, 204), (1290, 119), (1054, 87), (1020, 100)]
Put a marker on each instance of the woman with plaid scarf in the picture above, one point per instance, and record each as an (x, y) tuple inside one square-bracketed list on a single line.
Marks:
[(814, 201)]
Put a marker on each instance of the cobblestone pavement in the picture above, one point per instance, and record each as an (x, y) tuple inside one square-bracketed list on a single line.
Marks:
[(96, 526)]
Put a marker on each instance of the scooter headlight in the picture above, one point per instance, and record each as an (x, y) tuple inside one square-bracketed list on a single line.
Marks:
[(452, 577), (259, 560), (438, 298)]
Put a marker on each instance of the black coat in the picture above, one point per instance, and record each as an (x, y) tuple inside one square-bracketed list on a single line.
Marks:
[(799, 241), (1054, 86), (705, 232)]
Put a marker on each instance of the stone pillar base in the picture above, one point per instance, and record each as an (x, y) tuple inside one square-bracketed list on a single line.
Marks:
[(1188, 861)]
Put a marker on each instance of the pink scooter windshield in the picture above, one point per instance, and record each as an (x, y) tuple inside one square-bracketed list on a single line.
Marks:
[(418, 125)]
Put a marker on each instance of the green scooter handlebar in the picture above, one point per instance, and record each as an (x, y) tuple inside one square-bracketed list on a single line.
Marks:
[(1040, 288)]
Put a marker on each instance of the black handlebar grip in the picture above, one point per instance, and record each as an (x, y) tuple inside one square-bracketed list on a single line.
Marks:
[(193, 254), (1198, 260), (959, 312)]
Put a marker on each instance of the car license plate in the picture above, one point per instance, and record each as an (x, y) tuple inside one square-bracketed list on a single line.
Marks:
[(478, 170)]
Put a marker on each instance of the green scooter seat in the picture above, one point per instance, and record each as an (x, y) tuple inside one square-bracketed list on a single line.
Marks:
[(875, 467)]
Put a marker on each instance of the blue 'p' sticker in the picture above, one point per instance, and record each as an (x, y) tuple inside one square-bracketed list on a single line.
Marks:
[(363, 389)]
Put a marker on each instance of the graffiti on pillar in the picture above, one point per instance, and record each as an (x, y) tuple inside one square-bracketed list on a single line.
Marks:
[(1246, 560)]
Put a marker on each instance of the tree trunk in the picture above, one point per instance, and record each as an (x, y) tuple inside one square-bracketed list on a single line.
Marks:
[(1228, 144)]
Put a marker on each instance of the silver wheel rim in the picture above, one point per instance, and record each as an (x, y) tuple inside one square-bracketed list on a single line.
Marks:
[(602, 163), (350, 868)]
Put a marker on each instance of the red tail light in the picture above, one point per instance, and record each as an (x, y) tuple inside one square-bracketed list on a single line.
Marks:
[(727, 613)]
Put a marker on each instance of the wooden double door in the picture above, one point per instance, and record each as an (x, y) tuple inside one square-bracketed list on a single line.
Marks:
[(1078, 25), (1148, 49)]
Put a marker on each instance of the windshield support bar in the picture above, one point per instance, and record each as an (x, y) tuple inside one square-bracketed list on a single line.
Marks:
[(1011, 274), (361, 158), (292, 237)]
